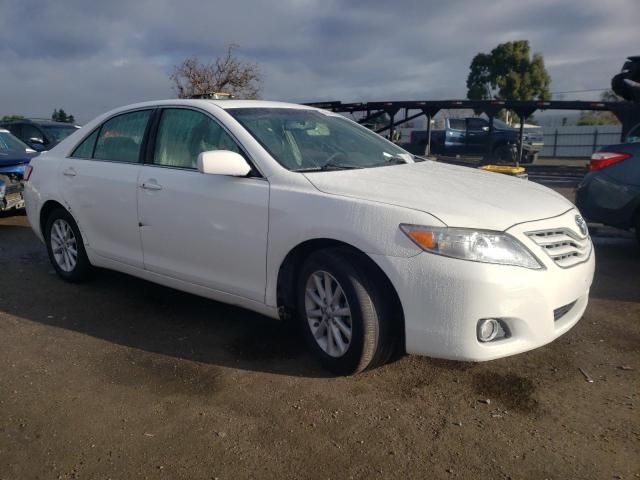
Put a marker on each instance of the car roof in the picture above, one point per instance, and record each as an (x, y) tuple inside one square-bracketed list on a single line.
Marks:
[(229, 104), (223, 104)]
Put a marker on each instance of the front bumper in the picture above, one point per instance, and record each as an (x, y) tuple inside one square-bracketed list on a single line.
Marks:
[(443, 299)]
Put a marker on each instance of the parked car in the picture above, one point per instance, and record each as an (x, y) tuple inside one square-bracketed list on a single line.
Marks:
[(626, 84), (610, 192), (14, 155), (473, 136), (302, 214), (40, 135)]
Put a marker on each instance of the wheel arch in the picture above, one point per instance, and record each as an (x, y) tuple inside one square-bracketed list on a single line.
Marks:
[(290, 269), (48, 207)]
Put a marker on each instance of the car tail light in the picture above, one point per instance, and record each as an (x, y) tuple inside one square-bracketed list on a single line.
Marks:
[(28, 170), (601, 160)]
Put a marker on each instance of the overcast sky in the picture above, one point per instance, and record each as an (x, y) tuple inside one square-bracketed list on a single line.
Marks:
[(90, 56)]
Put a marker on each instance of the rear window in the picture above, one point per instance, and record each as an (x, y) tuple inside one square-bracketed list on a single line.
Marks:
[(85, 149), (457, 123), (120, 138)]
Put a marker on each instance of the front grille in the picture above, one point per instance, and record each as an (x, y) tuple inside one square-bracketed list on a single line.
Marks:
[(558, 313), (564, 246)]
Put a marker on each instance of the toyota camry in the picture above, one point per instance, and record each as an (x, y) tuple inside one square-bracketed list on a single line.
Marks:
[(304, 215)]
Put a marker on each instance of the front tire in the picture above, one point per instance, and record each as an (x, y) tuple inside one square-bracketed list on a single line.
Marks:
[(344, 315), (65, 247)]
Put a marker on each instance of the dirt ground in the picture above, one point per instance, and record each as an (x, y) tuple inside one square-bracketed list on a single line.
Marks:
[(123, 379)]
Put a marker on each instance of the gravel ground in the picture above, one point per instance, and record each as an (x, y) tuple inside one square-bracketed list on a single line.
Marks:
[(119, 378)]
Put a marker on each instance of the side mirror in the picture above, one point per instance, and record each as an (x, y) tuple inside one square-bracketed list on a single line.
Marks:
[(223, 162), (37, 140)]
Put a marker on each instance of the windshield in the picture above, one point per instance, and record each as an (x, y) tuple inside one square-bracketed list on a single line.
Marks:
[(10, 144), (310, 140), (634, 135), (502, 125), (58, 132)]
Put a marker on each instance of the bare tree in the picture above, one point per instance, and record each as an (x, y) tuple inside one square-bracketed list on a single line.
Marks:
[(226, 74)]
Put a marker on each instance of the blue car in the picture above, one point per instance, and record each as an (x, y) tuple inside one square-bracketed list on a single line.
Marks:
[(14, 157), (610, 192)]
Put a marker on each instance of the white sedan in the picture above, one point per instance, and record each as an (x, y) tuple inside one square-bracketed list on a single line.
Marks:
[(302, 214)]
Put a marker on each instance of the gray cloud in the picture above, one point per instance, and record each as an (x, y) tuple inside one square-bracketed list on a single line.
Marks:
[(90, 56)]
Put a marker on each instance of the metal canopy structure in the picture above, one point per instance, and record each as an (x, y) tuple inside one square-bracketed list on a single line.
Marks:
[(628, 113)]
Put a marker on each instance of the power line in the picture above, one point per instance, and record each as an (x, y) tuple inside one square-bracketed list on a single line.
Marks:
[(582, 91)]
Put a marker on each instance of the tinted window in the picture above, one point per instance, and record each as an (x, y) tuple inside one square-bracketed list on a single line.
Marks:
[(184, 134), (457, 123), (477, 123), (58, 132), (634, 135), (29, 132), (15, 129), (11, 145), (121, 137), (85, 149)]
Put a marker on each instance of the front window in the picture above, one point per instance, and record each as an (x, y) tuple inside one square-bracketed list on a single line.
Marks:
[(307, 140), (59, 132), (184, 134)]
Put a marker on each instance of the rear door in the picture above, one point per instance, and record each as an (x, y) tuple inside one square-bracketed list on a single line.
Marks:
[(209, 230), (99, 182)]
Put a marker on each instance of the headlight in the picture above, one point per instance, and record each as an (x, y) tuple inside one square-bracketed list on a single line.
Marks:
[(475, 245)]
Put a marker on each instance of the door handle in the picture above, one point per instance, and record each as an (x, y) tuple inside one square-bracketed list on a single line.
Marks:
[(69, 172), (151, 186)]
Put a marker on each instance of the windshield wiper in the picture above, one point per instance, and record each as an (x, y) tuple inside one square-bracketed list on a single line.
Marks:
[(328, 167)]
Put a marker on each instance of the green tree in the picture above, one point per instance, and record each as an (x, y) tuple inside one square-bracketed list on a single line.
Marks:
[(599, 117), (509, 72), (7, 118), (61, 116)]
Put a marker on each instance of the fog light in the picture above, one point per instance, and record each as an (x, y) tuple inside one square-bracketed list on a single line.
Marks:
[(488, 329)]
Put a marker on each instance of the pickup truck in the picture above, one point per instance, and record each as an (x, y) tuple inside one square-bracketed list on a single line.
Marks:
[(472, 136)]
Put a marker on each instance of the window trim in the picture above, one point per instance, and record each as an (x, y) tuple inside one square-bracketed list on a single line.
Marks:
[(152, 110), (153, 135)]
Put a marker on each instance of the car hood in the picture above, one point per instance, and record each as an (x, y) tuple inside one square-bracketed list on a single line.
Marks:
[(458, 196)]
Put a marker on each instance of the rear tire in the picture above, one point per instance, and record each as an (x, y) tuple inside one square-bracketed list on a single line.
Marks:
[(66, 247), (348, 330)]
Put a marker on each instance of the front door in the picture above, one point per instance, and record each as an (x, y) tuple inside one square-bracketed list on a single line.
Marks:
[(210, 230), (477, 136)]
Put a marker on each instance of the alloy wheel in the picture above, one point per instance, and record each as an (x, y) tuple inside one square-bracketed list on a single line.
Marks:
[(64, 245), (328, 313)]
